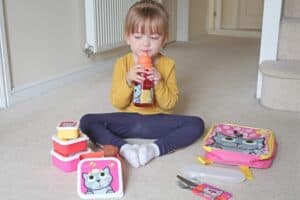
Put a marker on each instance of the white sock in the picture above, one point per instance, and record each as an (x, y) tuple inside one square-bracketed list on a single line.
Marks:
[(147, 152), (130, 153)]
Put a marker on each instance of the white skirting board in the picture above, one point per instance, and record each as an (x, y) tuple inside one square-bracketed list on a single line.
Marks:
[(28, 92)]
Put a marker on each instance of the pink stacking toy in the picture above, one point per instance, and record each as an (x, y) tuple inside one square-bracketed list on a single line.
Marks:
[(69, 147), (66, 164)]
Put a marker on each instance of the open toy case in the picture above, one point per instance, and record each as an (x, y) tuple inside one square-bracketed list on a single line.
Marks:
[(239, 145)]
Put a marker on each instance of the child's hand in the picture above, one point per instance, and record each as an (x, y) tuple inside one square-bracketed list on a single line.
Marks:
[(154, 75), (134, 74)]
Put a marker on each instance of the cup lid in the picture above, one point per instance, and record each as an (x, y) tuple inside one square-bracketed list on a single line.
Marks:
[(67, 125)]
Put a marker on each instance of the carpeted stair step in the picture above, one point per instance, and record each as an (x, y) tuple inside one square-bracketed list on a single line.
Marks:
[(289, 38), (281, 85)]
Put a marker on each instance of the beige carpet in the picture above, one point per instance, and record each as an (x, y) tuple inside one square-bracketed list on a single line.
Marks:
[(217, 79)]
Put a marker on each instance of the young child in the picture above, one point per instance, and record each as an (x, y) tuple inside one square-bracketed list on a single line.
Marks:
[(146, 32)]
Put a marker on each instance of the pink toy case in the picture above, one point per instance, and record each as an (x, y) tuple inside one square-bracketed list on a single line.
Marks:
[(240, 145), (66, 164), (69, 147), (208, 192), (99, 177)]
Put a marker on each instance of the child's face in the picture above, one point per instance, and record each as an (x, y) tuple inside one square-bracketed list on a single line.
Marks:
[(149, 43)]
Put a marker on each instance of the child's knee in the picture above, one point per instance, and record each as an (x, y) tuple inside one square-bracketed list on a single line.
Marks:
[(85, 122), (197, 124)]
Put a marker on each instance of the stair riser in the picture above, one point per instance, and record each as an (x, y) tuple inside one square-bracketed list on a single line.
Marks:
[(281, 94), (291, 8), (289, 48)]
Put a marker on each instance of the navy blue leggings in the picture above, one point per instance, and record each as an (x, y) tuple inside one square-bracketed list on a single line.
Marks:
[(170, 131)]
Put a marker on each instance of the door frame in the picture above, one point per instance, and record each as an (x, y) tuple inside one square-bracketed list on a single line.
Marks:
[(214, 23), (183, 20), (5, 82), (270, 36)]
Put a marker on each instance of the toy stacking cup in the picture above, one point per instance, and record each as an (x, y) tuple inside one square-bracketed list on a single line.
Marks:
[(69, 147), (67, 130)]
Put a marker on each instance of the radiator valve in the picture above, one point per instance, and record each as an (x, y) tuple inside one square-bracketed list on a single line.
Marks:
[(89, 50)]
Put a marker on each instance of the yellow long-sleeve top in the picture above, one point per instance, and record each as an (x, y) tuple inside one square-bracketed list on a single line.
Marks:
[(165, 92)]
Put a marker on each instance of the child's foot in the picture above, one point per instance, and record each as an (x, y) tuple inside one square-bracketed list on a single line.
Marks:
[(147, 152), (130, 153)]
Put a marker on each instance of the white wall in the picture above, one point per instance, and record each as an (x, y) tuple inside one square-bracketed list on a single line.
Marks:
[(46, 39)]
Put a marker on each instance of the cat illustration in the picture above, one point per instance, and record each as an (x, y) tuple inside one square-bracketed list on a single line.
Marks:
[(98, 181), (137, 93), (238, 143)]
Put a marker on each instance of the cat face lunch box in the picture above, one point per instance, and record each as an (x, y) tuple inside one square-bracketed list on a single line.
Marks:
[(240, 145), (99, 178)]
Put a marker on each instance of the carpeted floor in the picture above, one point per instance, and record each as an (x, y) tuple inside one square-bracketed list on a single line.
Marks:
[(217, 80)]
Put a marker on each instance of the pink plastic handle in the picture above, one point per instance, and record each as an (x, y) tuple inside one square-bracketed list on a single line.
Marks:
[(209, 192)]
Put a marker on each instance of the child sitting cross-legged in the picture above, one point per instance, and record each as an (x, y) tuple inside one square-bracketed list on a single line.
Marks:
[(146, 32)]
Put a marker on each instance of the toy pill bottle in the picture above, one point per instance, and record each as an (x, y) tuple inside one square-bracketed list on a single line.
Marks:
[(143, 94)]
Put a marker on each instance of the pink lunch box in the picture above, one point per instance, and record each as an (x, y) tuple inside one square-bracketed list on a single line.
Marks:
[(240, 145), (99, 178), (66, 164), (69, 147)]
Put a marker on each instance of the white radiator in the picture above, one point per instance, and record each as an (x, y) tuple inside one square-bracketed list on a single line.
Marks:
[(104, 21)]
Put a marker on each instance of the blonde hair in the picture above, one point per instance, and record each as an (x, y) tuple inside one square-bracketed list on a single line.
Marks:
[(147, 16)]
